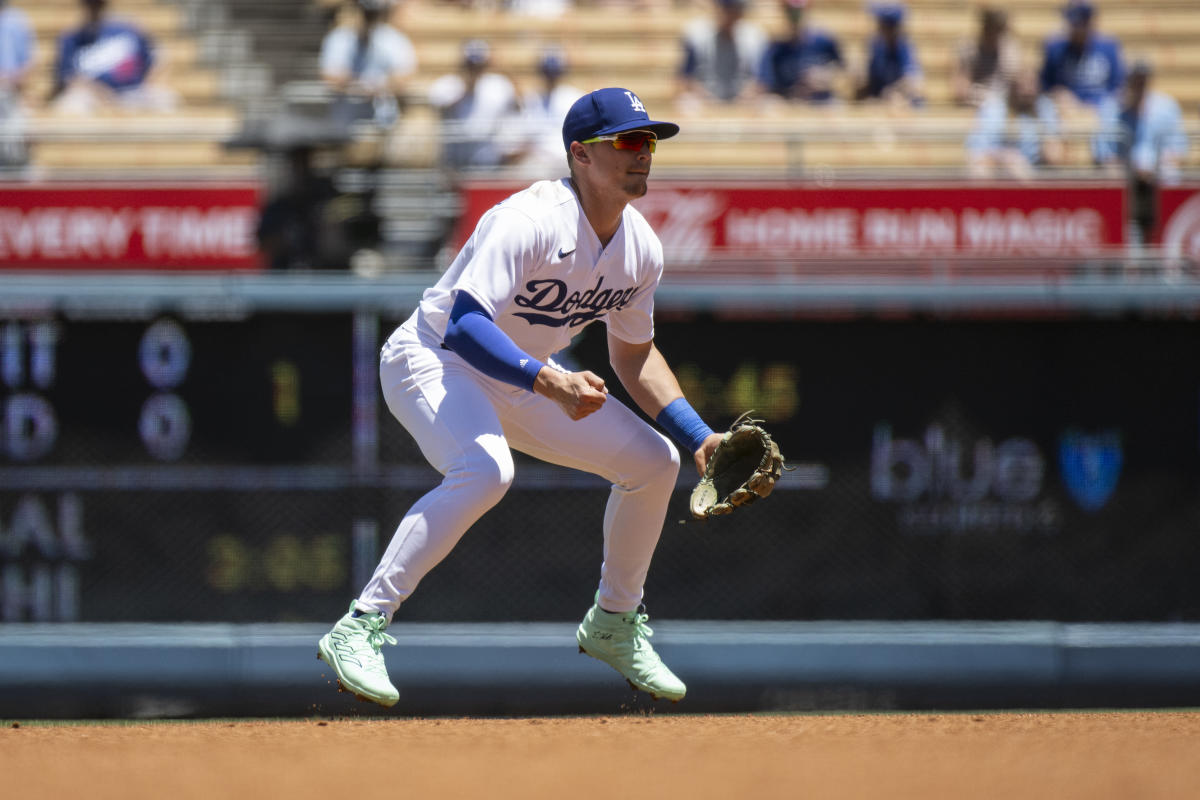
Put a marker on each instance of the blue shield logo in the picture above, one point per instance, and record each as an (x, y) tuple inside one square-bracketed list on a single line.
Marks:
[(1090, 465)]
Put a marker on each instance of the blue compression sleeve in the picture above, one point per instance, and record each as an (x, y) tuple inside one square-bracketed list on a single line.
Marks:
[(684, 425), (473, 335)]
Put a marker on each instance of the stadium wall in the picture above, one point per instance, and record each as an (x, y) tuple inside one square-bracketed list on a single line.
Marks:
[(986, 511)]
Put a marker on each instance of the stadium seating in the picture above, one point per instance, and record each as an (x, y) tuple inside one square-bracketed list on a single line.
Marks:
[(609, 43), (618, 44), (115, 142)]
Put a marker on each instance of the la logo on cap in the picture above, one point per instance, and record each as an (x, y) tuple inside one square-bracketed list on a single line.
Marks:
[(605, 111)]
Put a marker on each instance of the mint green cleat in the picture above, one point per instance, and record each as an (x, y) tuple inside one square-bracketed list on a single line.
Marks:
[(623, 642), (352, 649)]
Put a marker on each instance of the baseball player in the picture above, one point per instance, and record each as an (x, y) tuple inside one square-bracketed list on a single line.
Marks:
[(471, 374)]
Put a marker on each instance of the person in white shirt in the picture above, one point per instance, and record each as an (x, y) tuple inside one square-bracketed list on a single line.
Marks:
[(475, 105), (1148, 141), (471, 374), (543, 110), (17, 44), (722, 58), (368, 66)]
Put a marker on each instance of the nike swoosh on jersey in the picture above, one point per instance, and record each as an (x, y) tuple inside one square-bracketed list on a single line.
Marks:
[(564, 253)]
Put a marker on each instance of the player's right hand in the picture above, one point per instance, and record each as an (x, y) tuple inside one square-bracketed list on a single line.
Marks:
[(576, 393), (705, 452)]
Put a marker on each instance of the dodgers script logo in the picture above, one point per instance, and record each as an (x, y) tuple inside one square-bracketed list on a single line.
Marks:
[(560, 306), (1090, 466)]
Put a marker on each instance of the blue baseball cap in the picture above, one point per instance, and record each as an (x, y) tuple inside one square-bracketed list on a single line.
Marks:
[(552, 62), (612, 110), (888, 13), (476, 53), (1079, 12)]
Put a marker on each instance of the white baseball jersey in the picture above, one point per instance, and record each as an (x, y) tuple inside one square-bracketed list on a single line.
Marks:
[(535, 264)]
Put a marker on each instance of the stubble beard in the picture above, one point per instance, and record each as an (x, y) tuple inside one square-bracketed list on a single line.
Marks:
[(636, 186)]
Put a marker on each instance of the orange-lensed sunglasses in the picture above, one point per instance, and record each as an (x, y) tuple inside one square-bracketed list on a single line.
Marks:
[(630, 140)]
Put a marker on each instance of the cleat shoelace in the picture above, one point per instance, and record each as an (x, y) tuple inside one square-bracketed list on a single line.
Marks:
[(641, 631), (375, 635), (376, 638)]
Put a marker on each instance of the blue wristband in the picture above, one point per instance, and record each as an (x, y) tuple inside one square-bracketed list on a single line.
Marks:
[(683, 424)]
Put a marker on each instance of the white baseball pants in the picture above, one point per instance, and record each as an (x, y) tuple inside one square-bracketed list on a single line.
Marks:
[(465, 423)]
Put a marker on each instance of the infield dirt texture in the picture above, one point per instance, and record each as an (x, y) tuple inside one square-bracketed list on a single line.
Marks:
[(928, 756)]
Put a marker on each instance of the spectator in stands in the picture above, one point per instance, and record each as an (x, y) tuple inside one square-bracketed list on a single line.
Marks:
[(1082, 66), (804, 63), (893, 73), (543, 110), (475, 104), (721, 57), (1015, 134), (306, 224), (16, 59), (367, 65), (106, 63), (1149, 143), (986, 65)]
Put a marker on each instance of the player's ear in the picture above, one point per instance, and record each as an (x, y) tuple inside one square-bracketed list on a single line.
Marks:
[(580, 153)]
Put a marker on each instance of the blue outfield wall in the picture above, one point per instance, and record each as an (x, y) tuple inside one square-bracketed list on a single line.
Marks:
[(185, 670)]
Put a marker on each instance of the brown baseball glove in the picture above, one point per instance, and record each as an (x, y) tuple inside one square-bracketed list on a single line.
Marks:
[(743, 468)]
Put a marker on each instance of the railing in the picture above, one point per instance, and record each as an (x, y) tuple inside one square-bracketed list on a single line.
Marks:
[(1135, 284)]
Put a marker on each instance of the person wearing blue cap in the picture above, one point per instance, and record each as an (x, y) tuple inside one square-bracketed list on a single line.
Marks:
[(1083, 71), (107, 63), (803, 63), (472, 375), (1082, 66), (893, 73), (476, 105), (543, 109)]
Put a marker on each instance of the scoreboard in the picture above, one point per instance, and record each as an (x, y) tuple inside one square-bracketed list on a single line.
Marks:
[(262, 388), (172, 449), (136, 448)]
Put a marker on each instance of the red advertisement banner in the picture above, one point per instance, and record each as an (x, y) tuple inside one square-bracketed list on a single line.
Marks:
[(698, 221), (1179, 222), (98, 226)]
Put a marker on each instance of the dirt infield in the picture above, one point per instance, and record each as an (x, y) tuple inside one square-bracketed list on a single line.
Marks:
[(1061, 755)]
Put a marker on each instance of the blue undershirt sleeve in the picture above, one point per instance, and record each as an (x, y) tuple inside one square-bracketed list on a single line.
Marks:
[(479, 341)]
